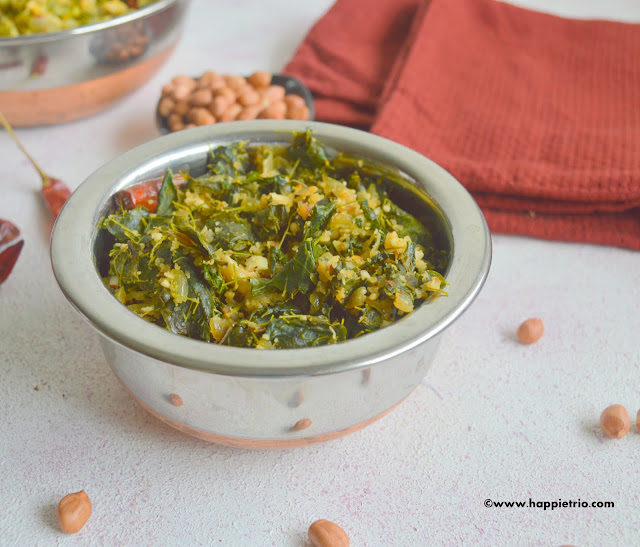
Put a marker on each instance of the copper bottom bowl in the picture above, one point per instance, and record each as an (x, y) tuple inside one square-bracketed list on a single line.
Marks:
[(276, 398)]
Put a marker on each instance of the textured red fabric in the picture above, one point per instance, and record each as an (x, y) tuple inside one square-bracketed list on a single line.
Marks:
[(537, 115)]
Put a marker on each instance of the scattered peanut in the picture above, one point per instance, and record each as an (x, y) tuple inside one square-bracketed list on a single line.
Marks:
[(530, 331), (638, 420), (175, 399), (186, 102), (614, 421), (74, 511), (324, 533), (302, 424)]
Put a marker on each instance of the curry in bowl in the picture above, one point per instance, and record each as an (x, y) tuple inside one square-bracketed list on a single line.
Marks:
[(274, 246)]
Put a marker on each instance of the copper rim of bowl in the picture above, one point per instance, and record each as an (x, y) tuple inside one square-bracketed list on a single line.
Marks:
[(140, 13), (74, 264)]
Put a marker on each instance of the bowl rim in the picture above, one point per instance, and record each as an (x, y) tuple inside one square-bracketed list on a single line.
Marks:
[(74, 269), (140, 13)]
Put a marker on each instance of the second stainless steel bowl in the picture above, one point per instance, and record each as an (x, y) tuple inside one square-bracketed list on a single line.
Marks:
[(62, 76)]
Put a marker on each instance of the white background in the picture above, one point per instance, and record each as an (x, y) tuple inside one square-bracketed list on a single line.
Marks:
[(504, 422)]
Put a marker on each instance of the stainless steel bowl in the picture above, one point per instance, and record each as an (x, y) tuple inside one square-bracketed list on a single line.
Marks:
[(62, 76), (254, 398)]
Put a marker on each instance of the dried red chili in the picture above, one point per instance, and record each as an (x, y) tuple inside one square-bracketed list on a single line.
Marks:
[(54, 191), (11, 243), (143, 194)]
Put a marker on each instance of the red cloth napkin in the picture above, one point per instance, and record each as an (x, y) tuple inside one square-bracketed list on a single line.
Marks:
[(537, 115)]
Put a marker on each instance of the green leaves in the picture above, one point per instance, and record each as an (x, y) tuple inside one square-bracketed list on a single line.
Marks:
[(271, 222), (231, 233), (319, 218), (308, 151), (199, 289), (407, 224), (370, 215), (230, 160), (304, 331), (297, 275), (128, 225), (167, 195), (276, 259)]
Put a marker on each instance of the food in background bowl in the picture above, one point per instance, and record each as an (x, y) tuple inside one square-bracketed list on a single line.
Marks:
[(240, 396), (275, 246), (19, 17), (211, 98)]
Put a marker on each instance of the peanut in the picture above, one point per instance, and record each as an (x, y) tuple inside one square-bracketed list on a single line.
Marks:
[(206, 79), (324, 533), (175, 122), (202, 97), (186, 81), (219, 105), (615, 422), (174, 398), (74, 511), (294, 101), (250, 112), (217, 82), (181, 108), (272, 94), (231, 113), (260, 79), (176, 126), (248, 97), (228, 93), (302, 424), (275, 111), (236, 82), (201, 116), (167, 90), (165, 106), (298, 112), (181, 92), (530, 331)]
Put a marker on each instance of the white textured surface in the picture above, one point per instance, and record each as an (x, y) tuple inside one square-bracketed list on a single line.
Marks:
[(512, 422)]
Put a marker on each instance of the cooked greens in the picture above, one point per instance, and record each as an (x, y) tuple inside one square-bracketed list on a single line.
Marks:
[(274, 246)]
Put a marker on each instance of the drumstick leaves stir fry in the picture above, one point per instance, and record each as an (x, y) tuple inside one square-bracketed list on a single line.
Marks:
[(274, 246)]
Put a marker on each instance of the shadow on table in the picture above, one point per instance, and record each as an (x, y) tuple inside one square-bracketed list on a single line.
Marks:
[(47, 514)]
